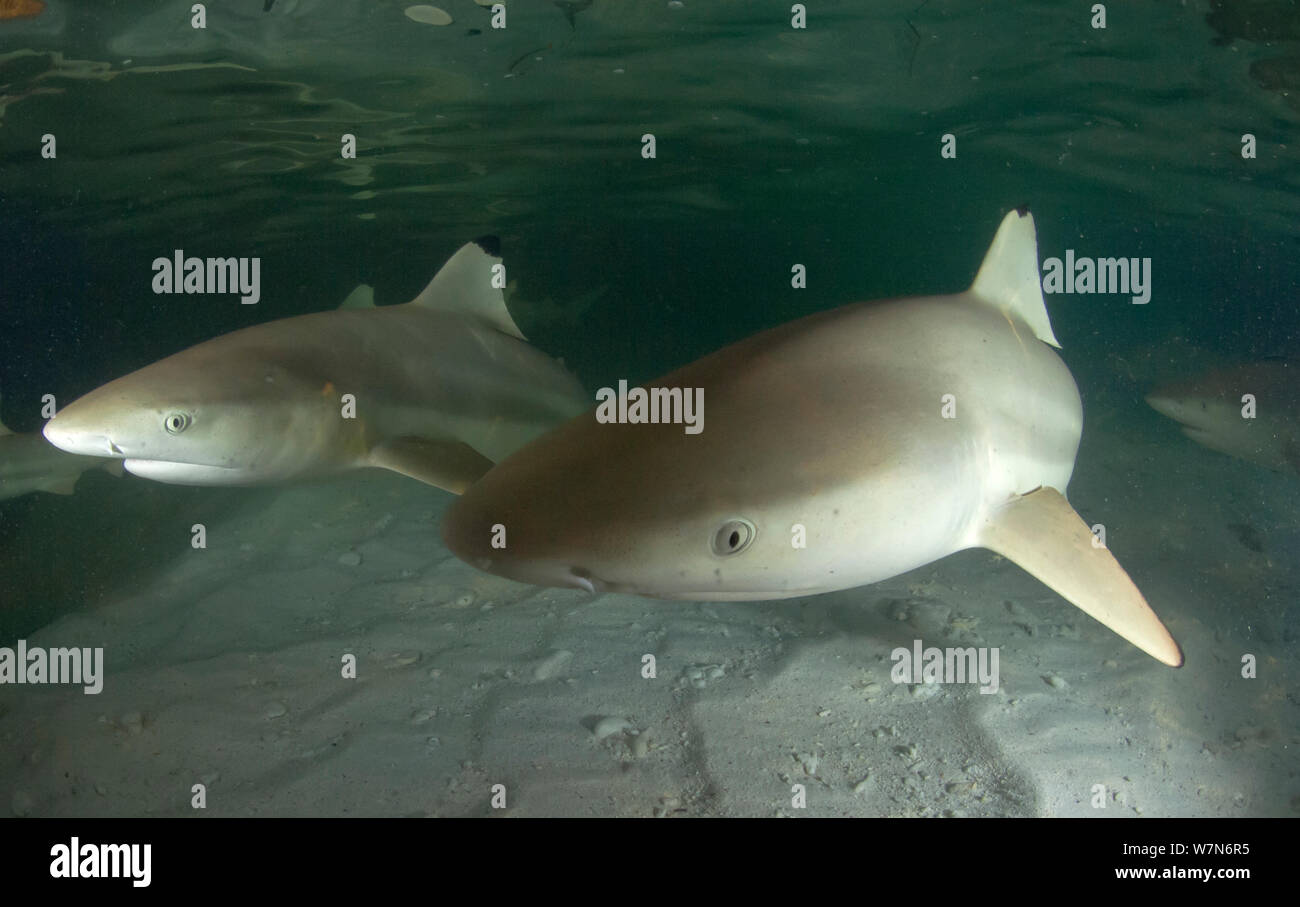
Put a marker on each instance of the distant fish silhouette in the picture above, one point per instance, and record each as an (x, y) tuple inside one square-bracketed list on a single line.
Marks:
[(1211, 411)]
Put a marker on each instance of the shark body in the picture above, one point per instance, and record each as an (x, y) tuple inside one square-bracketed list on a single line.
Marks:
[(838, 450), (1213, 411), (436, 389)]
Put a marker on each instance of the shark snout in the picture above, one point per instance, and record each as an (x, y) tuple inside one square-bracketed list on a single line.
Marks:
[(497, 542), (1162, 404), (1188, 413), (67, 435)]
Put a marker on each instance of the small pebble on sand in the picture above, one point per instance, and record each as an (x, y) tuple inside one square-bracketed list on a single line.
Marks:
[(610, 725)]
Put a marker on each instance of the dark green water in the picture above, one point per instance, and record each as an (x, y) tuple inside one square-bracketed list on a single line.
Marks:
[(775, 145)]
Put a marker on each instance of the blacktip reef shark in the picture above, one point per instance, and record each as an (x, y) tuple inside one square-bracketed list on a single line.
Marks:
[(30, 463), (833, 427), (443, 386), (1213, 413)]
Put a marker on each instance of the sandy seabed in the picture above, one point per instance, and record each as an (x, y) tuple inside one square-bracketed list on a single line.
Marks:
[(224, 669)]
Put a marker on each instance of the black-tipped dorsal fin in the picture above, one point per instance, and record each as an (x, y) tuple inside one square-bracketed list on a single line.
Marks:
[(464, 285), (1008, 278)]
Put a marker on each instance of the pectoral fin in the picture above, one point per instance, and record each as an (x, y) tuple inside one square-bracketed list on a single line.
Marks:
[(62, 485), (1041, 533), (450, 465)]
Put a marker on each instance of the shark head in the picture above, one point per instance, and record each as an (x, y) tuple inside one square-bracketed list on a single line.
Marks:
[(214, 417), (1203, 413), (559, 515)]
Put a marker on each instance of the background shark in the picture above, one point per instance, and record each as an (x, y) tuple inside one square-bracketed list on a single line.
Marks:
[(30, 463), (830, 431), (1210, 411), (443, 386)]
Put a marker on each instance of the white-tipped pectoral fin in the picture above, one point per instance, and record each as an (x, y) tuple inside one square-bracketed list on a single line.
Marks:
[(450, 465), (1042, 534)]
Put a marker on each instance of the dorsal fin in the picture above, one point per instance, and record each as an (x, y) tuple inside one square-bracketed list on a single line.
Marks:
[(4, 430), (464, 285), (1008, 278), (363, 297)]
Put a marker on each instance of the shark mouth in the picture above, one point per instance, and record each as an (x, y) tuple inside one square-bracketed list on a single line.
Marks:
[(734, 595), (581, 578), (174, 473)]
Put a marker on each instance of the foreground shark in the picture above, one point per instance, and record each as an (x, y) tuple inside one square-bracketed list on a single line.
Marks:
[(442, 387), (830, 457), (1213, 412), (30, 463)]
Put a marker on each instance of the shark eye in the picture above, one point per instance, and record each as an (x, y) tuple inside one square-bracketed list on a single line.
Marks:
[(175, 423), (733, 537)]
